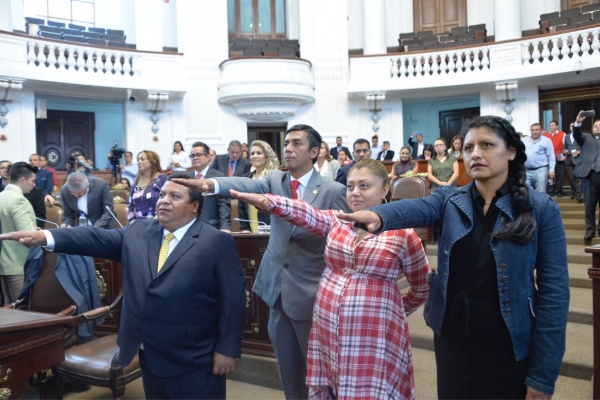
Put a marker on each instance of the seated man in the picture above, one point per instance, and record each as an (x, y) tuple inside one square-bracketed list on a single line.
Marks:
[(90, 196)]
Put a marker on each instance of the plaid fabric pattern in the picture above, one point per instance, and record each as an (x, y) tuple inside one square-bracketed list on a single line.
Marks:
[(359, 341)]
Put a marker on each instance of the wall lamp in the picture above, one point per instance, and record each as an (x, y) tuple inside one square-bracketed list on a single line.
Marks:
[(375, 104), (7, 87), (507, 93), (156, 103)]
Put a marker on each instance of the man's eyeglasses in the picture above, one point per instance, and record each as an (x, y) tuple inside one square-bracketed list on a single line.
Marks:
[(198, 155)]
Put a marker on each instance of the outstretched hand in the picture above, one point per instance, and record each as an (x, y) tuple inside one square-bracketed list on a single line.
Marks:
[(199, 185), (368, 218), (28, 238), (580, 117), (257, 200)]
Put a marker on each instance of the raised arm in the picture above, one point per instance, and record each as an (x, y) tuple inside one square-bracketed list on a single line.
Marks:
[(297, 212)]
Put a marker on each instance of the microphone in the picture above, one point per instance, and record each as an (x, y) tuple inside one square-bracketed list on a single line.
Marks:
[(250, 220), (262, 229), (114, 216), (50, 222)]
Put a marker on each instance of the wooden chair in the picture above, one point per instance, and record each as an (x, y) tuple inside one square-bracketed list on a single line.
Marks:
[(414, 187), (54, 214), (121, 211), (123, 193)]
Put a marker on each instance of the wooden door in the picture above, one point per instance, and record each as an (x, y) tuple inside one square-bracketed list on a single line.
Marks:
[(567, 4), (439, 16), (64, 132), (452, 120), (274, 135)]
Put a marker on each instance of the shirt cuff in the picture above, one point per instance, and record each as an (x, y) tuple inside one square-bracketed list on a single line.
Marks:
[(217, 188), (577, 123), (50, 242)]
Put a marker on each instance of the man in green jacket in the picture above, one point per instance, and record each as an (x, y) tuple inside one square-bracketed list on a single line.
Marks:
[(16, 214)]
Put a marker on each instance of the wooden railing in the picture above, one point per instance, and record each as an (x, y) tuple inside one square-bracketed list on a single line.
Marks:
[(594, 274)]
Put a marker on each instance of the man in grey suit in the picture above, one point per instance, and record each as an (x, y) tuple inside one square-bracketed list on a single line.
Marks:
[(588, 169), (294, 261), (90, 196), (216, 211), (571, 150), (232, 163)]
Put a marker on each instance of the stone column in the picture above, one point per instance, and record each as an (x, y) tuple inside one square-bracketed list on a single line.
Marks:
[(148, 25), (374, 27), (507, 19)]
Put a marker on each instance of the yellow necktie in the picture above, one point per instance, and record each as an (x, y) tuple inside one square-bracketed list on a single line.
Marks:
[(164, 250)]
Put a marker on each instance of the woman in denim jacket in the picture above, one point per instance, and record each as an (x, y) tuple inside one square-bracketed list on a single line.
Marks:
[(499, 329)]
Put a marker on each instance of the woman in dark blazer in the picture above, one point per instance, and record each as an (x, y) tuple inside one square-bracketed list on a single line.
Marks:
[(263, 161)]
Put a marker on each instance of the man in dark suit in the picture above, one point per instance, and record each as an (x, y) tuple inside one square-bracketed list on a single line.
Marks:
[(336, 150), (215, 211), (43, 179), (362, 149), (385, 153), (232, 163), (90, 196), (4, 167), (291, 268), (588, 168), (571, 151), (185, 286), (417, 145)]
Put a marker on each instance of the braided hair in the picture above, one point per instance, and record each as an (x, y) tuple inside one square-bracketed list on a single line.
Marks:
[(521, 230)]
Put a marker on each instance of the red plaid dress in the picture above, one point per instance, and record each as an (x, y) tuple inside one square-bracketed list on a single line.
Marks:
[(359, 342)]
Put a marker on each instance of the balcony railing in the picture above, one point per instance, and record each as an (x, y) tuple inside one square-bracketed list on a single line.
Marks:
[(531, 56)]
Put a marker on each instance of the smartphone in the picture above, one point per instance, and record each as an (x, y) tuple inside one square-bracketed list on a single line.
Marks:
[(588, 114)]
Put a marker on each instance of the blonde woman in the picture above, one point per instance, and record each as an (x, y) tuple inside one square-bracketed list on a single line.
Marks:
[(326, 166), (263, 160)]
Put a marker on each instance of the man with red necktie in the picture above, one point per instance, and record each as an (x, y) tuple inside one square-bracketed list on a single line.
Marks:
[(232, 163), (216, 211)]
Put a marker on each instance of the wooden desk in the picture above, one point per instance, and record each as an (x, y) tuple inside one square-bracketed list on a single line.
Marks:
[(29, 343)]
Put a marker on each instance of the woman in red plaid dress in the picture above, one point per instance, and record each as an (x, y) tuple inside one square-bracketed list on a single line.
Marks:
[(359, 345)]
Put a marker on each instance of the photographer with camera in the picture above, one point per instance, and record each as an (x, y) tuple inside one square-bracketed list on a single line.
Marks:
[(76, 163), (128, 170)]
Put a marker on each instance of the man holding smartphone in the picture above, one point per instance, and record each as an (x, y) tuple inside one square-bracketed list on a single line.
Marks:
[(588, 169), (557, 137)]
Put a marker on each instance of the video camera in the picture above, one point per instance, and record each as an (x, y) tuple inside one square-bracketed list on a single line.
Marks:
[(116, 153), (71, 161)]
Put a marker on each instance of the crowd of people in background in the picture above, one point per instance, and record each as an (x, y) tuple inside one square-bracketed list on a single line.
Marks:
[(339, 187)]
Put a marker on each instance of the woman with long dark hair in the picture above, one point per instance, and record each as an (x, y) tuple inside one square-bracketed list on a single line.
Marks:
[(179, 161), (498, 302)]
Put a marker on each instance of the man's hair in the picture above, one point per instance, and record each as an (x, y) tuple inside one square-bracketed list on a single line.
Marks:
[(21, 170), (314, 137), (361, 141), (203, 145), (130, 153), (77, 181), (233, 143), (534, 124), (386, 142), (3, 161), (192, 194), (375, 137), (34, 154), (339, 137), (555, 121)]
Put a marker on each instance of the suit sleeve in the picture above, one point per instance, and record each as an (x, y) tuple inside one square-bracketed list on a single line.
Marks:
[(69, 215), (246, 185), (232, 298), (88, 241), (107, 201), (578, 135)]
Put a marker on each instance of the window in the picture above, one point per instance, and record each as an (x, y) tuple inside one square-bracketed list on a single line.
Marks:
[(67, 11), (254, 19)]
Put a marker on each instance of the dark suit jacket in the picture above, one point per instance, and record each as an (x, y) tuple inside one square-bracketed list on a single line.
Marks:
[(98, 198), (243, 211), (215, 211), (415, 147), (36, 198), (334, 152), (569, 159), (221, 163), (45, 181), (342, 175), (193, 308), (388, 156), (589, 151), (293, 262)]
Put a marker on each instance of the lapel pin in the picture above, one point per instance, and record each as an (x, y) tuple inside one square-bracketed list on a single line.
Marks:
[(315, 191)]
